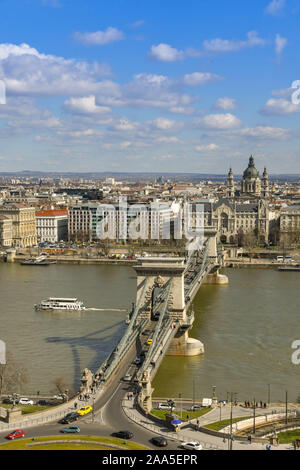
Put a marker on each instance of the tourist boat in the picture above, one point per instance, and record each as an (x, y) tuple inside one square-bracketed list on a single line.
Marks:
[(59, 303), (289, 268), (39, 261)]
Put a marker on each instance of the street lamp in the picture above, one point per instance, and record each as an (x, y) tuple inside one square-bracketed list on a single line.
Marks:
[(254, 416), (179, 396)]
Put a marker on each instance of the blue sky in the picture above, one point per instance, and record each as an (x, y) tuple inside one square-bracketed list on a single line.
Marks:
[(134, 85)]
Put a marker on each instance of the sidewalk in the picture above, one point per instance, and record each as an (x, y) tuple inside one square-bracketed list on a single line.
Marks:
[(207, 441)]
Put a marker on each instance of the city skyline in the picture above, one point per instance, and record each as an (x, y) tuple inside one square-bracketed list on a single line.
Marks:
[(129, 87)]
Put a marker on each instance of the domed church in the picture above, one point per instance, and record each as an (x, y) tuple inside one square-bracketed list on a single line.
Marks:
[(251, 184)]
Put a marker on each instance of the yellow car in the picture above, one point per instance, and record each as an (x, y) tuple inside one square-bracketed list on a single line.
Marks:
[(149, 341), (84, 410)]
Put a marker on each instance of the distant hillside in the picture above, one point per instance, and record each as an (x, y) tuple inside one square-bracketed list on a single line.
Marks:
[(124, 176)]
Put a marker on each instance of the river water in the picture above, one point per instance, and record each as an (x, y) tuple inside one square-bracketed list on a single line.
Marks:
[(247, 328)]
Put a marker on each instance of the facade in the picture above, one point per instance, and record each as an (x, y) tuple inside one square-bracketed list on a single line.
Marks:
[(232, 219), (6, 231), (290, 219), (133, 221), (23, 224), (52, 225)]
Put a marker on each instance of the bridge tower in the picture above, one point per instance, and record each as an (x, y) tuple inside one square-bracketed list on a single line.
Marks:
[(159, 271)]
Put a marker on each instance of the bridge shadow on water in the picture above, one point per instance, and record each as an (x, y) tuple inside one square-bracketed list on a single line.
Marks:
[(102, 348)]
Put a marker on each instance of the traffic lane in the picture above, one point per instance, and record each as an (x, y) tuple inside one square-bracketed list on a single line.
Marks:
[(115, 418), (140, 436)]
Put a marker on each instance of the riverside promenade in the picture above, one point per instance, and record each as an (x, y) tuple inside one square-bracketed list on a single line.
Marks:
[(190, 433)]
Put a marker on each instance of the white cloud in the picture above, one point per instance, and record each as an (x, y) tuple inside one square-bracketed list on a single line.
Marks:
[(275, 7), (85, 105), (165, 124), (199, 78), (206, 148), (165, 53), (219, 121), (265, 133), (225, 104), (25, 71), (280, 44), (225, 45), (169, 140), (124, 125), (99, 38), (279, 107)]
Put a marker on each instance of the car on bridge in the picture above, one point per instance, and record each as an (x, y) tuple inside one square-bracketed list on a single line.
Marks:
[(127, 377), (137, 361), (146, 332), (16, 434), (70, 429), (84, 410)]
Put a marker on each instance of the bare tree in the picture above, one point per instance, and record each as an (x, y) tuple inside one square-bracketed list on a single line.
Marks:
[(64, 388), (13, 376)]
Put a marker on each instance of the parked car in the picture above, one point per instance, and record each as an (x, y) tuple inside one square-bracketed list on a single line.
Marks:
[(159, 441), (84, 410), (44, 403), (16, 434), (69, 418), (25, 401), (7, 401), (164, 406), (123, 434), (70, 429), (192, 445), (196, 407), (149, 341)]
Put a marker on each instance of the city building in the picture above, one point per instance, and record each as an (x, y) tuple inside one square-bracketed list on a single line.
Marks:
[(23, 229), (6, 231), (145, 221), (290, 219), (232, 219), (52, 225), (251, 185)]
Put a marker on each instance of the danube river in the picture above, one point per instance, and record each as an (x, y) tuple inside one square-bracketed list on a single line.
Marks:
[(247, 328)]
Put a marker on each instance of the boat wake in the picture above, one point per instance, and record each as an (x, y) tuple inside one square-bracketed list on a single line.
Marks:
[(106, 309)]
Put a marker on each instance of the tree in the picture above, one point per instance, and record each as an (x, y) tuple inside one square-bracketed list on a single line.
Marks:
[(13, 376), (62, 386)]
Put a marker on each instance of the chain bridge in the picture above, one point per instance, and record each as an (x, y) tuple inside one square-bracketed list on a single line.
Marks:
[(162, 316)]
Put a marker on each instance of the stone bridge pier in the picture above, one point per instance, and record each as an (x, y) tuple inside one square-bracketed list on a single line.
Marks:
[(158, 271)]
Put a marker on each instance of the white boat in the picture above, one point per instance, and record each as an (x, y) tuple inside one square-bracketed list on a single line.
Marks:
[(59, 303)]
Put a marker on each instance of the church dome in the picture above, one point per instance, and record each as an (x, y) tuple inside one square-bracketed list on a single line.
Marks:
[(251, 171)]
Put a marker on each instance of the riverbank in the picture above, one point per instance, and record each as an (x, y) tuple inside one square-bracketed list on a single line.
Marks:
[(229, 262)]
